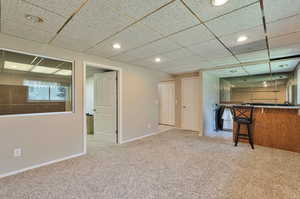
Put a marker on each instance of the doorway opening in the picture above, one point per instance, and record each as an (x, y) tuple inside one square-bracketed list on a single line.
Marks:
[(217, 118), (167, 100), (101, 105)]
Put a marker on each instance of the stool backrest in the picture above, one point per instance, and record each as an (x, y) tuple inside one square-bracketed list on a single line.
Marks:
[(242, 112)]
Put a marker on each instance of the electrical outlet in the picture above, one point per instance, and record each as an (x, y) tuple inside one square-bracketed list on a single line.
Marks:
[(149, 126), (17, 152)]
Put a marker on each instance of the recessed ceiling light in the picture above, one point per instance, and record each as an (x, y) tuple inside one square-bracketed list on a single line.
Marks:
[(157, 59), (242, 38), (43, 69), (265, 84), (283, 66), (64, 72), (34, 19), (218, 2), (17, 66), (116, 46)]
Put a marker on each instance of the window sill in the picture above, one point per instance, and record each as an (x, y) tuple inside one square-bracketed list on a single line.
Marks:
[(36, 114)]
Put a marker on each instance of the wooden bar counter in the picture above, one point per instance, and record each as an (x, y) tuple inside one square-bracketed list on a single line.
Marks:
[(276, 127)]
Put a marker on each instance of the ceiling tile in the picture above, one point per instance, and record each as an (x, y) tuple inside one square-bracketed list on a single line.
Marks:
[(205, 10), (254, 34), (73, 37), (99, 15), (192, 36), (136, 8), (210, 50), (285, 40), (95, 22), (284, 66), (285, 45), (123, 57), (64, 8), (170, 19), (284, 51), (284, 26), (229, 72), (235, 21), (250, 47), (73, 42), (150, 63), (97, 18), (176, 54), (223, 61), (278, 9), (257, 69), (16, 10), (25, 32), (253, 56), (135, 36), (149, 50), (191, 61), (185, 64), (183, 69)]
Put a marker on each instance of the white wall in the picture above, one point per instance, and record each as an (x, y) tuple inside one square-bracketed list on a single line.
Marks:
[(211, 96), (45, 138)]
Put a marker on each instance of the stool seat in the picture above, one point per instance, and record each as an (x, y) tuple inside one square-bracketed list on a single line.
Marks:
[(243, 115)]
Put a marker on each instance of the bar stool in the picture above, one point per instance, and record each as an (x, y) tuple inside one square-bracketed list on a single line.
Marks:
[(243, 115)]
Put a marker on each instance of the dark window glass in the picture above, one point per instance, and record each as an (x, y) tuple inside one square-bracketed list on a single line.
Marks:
[(34, 84)]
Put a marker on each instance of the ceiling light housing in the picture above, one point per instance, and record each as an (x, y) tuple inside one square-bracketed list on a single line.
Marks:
[(116, 46), (64, 72), (242, 38), (157, 60), (218, 2), (283, 66), (44, 70), (17, 66), (34, 19), (265, 84)]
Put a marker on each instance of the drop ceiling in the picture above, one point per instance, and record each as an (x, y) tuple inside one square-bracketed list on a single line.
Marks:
[(187, 35), (275, 67)]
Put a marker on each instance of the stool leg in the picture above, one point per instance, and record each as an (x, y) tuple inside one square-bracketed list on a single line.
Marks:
[(250, 136), (237, 135)]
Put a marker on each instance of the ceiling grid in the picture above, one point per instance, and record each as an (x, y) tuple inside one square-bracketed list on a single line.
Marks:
[(217, 38), (135, 22), (185, 34)]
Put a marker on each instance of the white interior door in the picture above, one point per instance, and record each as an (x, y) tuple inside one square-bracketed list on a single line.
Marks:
[(190, 99), (105, 105), (167, 102)]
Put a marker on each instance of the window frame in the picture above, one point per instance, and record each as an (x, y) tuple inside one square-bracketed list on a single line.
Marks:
[(72, 111), (48, 100)]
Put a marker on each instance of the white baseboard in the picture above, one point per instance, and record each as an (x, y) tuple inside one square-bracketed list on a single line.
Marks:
[(40, 165), (144, 136)]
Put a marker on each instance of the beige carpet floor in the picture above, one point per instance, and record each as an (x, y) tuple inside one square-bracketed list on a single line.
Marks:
[(175, 164)]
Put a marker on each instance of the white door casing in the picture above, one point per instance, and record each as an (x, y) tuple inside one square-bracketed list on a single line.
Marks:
[(167, 102), (105, 105), (190, 99)]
